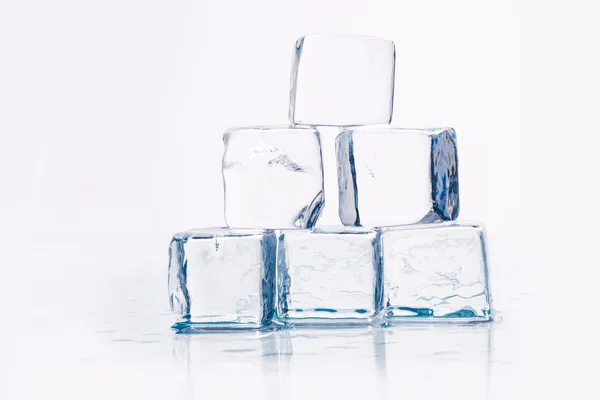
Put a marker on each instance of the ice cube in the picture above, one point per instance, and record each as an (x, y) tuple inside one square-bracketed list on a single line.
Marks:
[(328, 276), (342, 80), (273, 177), (222, 278), (391, 176), (435, 272)]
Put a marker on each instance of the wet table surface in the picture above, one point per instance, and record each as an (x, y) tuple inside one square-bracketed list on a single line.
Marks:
[(95, 324)]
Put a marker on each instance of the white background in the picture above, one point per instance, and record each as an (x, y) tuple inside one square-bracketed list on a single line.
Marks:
[(111, 115)]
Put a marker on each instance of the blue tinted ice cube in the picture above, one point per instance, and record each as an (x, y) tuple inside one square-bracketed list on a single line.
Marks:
[(222, 278), (273, 177), (435, 272), (392, 176), (328, 276)]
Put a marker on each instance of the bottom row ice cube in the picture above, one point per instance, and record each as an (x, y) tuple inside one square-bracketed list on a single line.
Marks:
[(223, 278), (328, 276), (436, 271)]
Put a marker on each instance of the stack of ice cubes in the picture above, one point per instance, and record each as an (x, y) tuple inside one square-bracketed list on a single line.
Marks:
[(387, 250)]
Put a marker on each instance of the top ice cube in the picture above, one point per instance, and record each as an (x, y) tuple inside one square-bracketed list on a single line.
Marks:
[(342, 80)]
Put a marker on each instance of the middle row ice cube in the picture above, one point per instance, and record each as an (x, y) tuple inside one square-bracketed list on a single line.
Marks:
[(273, 177)]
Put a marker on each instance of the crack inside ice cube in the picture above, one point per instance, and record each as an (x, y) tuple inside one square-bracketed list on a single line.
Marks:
[(231, 164), (263, 149), (286, 162)]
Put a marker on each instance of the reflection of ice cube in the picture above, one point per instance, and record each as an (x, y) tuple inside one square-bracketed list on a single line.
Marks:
[(253, 358), (329, 363), (392, 176), (222, 278), (435, 271), (273, 177), (328, 276), (342, 80), (437, 362), (408, 361)]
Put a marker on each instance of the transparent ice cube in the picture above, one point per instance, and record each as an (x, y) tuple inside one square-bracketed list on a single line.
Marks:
[(328, 276), (435, 272), (273, 177), (222, 278), (342, 80), (392, 176)]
